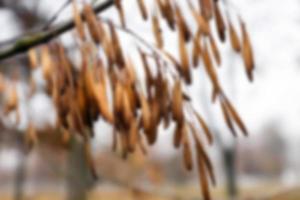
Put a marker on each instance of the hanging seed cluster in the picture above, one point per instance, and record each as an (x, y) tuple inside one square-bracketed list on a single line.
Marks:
[(106, 84)]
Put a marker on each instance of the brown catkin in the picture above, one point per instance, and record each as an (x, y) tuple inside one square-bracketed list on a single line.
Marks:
[(184, 58), (227, 118), (78, 21), (92, 23), (157, 32), (146, 113), (143, 9), (235, 116), (120, 9), (247, 52), (208, 64), (234, 39), (205, 128), (177, 103), (202, 23), (133, 135), (215, 50), (182, 25), (219, 21), (197, 49), (206, 8), (33, 58), (187, 154), (179, 133)]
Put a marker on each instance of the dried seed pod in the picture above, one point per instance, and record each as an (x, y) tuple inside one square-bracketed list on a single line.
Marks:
[(12, 100), (155, 111), (128, 115), (206, 8), (146, 113), (220, 24), (202, 23), (88, 82), (157, 32), (151, 133), (177, 103), (205, 128), (46, 61), (149, 78), (160, 4), (197, 49), (210, 69), (187, 154), (78, 21), (180, 131), (111, 52), (164, 100), (133, 97), (102, 100), (116, 46), (203, 156), (203, 177), (247, 52), (234, 39), (143, 9), (185, 63), (118, 98), (235, 116), (227, 119), (130, 71), (167, 11), (215, 50), (182, 25), (66, 65), (133, 135), (119, 6), (173, 60), (92, 23), (33, 58)]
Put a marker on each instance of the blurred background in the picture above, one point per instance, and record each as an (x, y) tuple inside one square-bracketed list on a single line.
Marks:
[(266, 165)]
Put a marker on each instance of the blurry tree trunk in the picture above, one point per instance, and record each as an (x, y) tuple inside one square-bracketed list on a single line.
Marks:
[(19, 182), (229, 151), (229, 159), (79, 177)]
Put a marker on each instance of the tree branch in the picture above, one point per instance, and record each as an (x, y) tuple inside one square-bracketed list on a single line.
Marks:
[(25, 43)]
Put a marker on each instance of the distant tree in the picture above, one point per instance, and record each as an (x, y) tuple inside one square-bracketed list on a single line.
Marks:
[(102, 79)]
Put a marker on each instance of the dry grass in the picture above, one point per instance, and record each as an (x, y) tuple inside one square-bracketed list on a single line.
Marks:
[(267, 191)]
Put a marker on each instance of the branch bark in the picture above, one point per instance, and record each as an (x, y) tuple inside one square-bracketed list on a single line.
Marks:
[(25, 43)]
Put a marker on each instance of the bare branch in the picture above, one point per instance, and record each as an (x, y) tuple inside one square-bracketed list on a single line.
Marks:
[(25, 43)]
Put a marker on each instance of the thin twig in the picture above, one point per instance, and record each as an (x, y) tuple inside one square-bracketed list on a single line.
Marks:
[(55, 16), (27, 42), (156, 51), (36, 29)]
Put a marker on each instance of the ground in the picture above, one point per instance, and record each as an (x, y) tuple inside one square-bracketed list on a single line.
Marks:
[(263, 192)]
